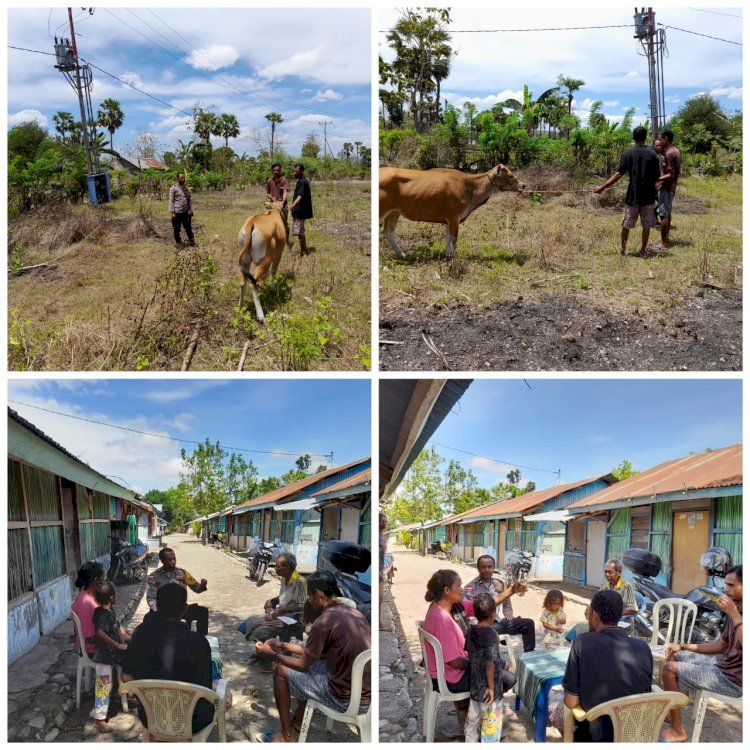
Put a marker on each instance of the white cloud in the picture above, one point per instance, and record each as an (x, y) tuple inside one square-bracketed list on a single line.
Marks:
[(478, 462), (213, 57), (674, 99), (611, 103), (632, 74), (329, 95), (730, 92), (28, 115), (299, 64), (305, 91)]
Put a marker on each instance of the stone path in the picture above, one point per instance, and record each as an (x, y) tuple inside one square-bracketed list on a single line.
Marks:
[(402, 681), (230, 598)]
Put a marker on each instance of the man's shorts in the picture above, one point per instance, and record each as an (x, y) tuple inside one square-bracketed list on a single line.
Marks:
[(664, 203), (699, 672), (648, 218), (314, 685), (298, 228)]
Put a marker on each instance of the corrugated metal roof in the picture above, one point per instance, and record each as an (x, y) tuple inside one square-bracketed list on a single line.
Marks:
[(363, 477), (291, 489), (717, 468), (517, 505), (153, 164)]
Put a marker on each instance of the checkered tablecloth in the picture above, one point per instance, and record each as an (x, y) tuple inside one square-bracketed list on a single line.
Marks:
[(217, 666), (534, 668)]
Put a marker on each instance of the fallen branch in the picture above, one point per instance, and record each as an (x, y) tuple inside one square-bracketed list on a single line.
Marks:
[(245, 348), (431, 346), (191, 348), (392, 343)]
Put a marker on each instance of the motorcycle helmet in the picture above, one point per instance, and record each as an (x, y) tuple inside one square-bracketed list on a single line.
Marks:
[(716, 561)]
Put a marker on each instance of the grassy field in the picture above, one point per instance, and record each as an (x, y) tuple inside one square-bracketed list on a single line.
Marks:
[(517, 246), (111, 292)]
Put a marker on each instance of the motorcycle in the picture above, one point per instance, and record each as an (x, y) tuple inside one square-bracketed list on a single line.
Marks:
[(127, 560), (345, 559), (710, 620), (264, 553), (517, 567)]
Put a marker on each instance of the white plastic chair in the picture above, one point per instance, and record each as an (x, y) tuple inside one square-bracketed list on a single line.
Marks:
[(682, 614), (433, 698), (85, 662), (169, 707), (351, 715), (702, 697)]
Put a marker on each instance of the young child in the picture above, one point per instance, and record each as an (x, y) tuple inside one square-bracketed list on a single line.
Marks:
[(553, 618), (488, 679), (110, 643)]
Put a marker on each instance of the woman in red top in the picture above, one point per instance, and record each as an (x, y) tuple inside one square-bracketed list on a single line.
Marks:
[(84, 604)]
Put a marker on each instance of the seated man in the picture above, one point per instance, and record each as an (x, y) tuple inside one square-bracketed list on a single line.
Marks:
[(698, 666), (322, 668), (486, 583), (164, 648), (170, 573), (604, 664), (291, 598)]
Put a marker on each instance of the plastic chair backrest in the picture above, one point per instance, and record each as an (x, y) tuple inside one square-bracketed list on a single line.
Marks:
[(169, 706), (358, 671), (78, 630), (426, 639), (638, 718), (682, 614)]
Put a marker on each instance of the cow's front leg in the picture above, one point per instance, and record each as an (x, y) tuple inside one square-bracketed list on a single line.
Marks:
[(451, 238), (389, 227)]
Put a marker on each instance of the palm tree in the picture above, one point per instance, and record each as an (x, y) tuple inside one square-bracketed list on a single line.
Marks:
[(347, 149), (357, 144), (572, 85), (110, 117), (204, 124), (228, 127), (532, 111), (64, 123), (273, 118)]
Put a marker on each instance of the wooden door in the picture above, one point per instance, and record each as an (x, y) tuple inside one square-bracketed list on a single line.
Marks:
[(596, 532), (690, 530)]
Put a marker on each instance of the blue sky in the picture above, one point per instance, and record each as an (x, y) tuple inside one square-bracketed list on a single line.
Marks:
[(291, 416), (492, 67), (587, 427), (311, 65)]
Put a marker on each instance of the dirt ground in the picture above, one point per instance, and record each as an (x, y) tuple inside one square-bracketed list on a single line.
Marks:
[(567, 333), (722, 724), (230, 598)]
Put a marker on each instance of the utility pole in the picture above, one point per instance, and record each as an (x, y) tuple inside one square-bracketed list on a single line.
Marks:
[(325, 138), (652, 74), (652, 42), (79, 91)]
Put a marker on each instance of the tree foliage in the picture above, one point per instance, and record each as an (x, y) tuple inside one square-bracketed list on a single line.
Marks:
[(111, 117), (624, 470)]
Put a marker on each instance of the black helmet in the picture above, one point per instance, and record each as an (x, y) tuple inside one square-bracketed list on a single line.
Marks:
[(716, 561)]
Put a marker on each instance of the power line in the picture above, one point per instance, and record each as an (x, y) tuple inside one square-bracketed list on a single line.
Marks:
[(552, 28), (695, 33), (169, 437), (714, 12), (495, 460)]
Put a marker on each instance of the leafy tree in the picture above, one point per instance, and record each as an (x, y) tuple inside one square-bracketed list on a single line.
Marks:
[(420, 496), (184, 153), (702, 121), (64, 122), (421, 42), (532, 111), (145, 145), (275, 118), (624, 470), (110, 116), (346, 151), (25, 140), (311, 147), (227, 127)]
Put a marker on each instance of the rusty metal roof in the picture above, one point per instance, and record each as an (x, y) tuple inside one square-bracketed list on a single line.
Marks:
[(517, 505), (363, 477), (289, 490), (700, 471)]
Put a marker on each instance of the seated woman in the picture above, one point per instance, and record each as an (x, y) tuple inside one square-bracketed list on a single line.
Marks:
[(84, 605)]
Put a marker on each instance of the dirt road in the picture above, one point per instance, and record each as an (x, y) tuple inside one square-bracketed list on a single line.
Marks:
[(230, 598), (722, 724)]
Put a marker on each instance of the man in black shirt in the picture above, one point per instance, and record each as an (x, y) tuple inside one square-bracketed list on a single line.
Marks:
[(164, 648), (604, 664), (301, 208), (641, 164)]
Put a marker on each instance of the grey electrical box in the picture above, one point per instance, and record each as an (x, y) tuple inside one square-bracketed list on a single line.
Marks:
[(641, 24), (64, 55)]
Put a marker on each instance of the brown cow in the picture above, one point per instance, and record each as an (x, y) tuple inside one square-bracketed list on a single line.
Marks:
[(261, 239), (440, 196)]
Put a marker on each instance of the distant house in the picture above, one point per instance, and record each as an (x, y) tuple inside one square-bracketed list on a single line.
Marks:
[(677, 509), (135, 164), (530, 521), (61, 513), (333, 504)]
